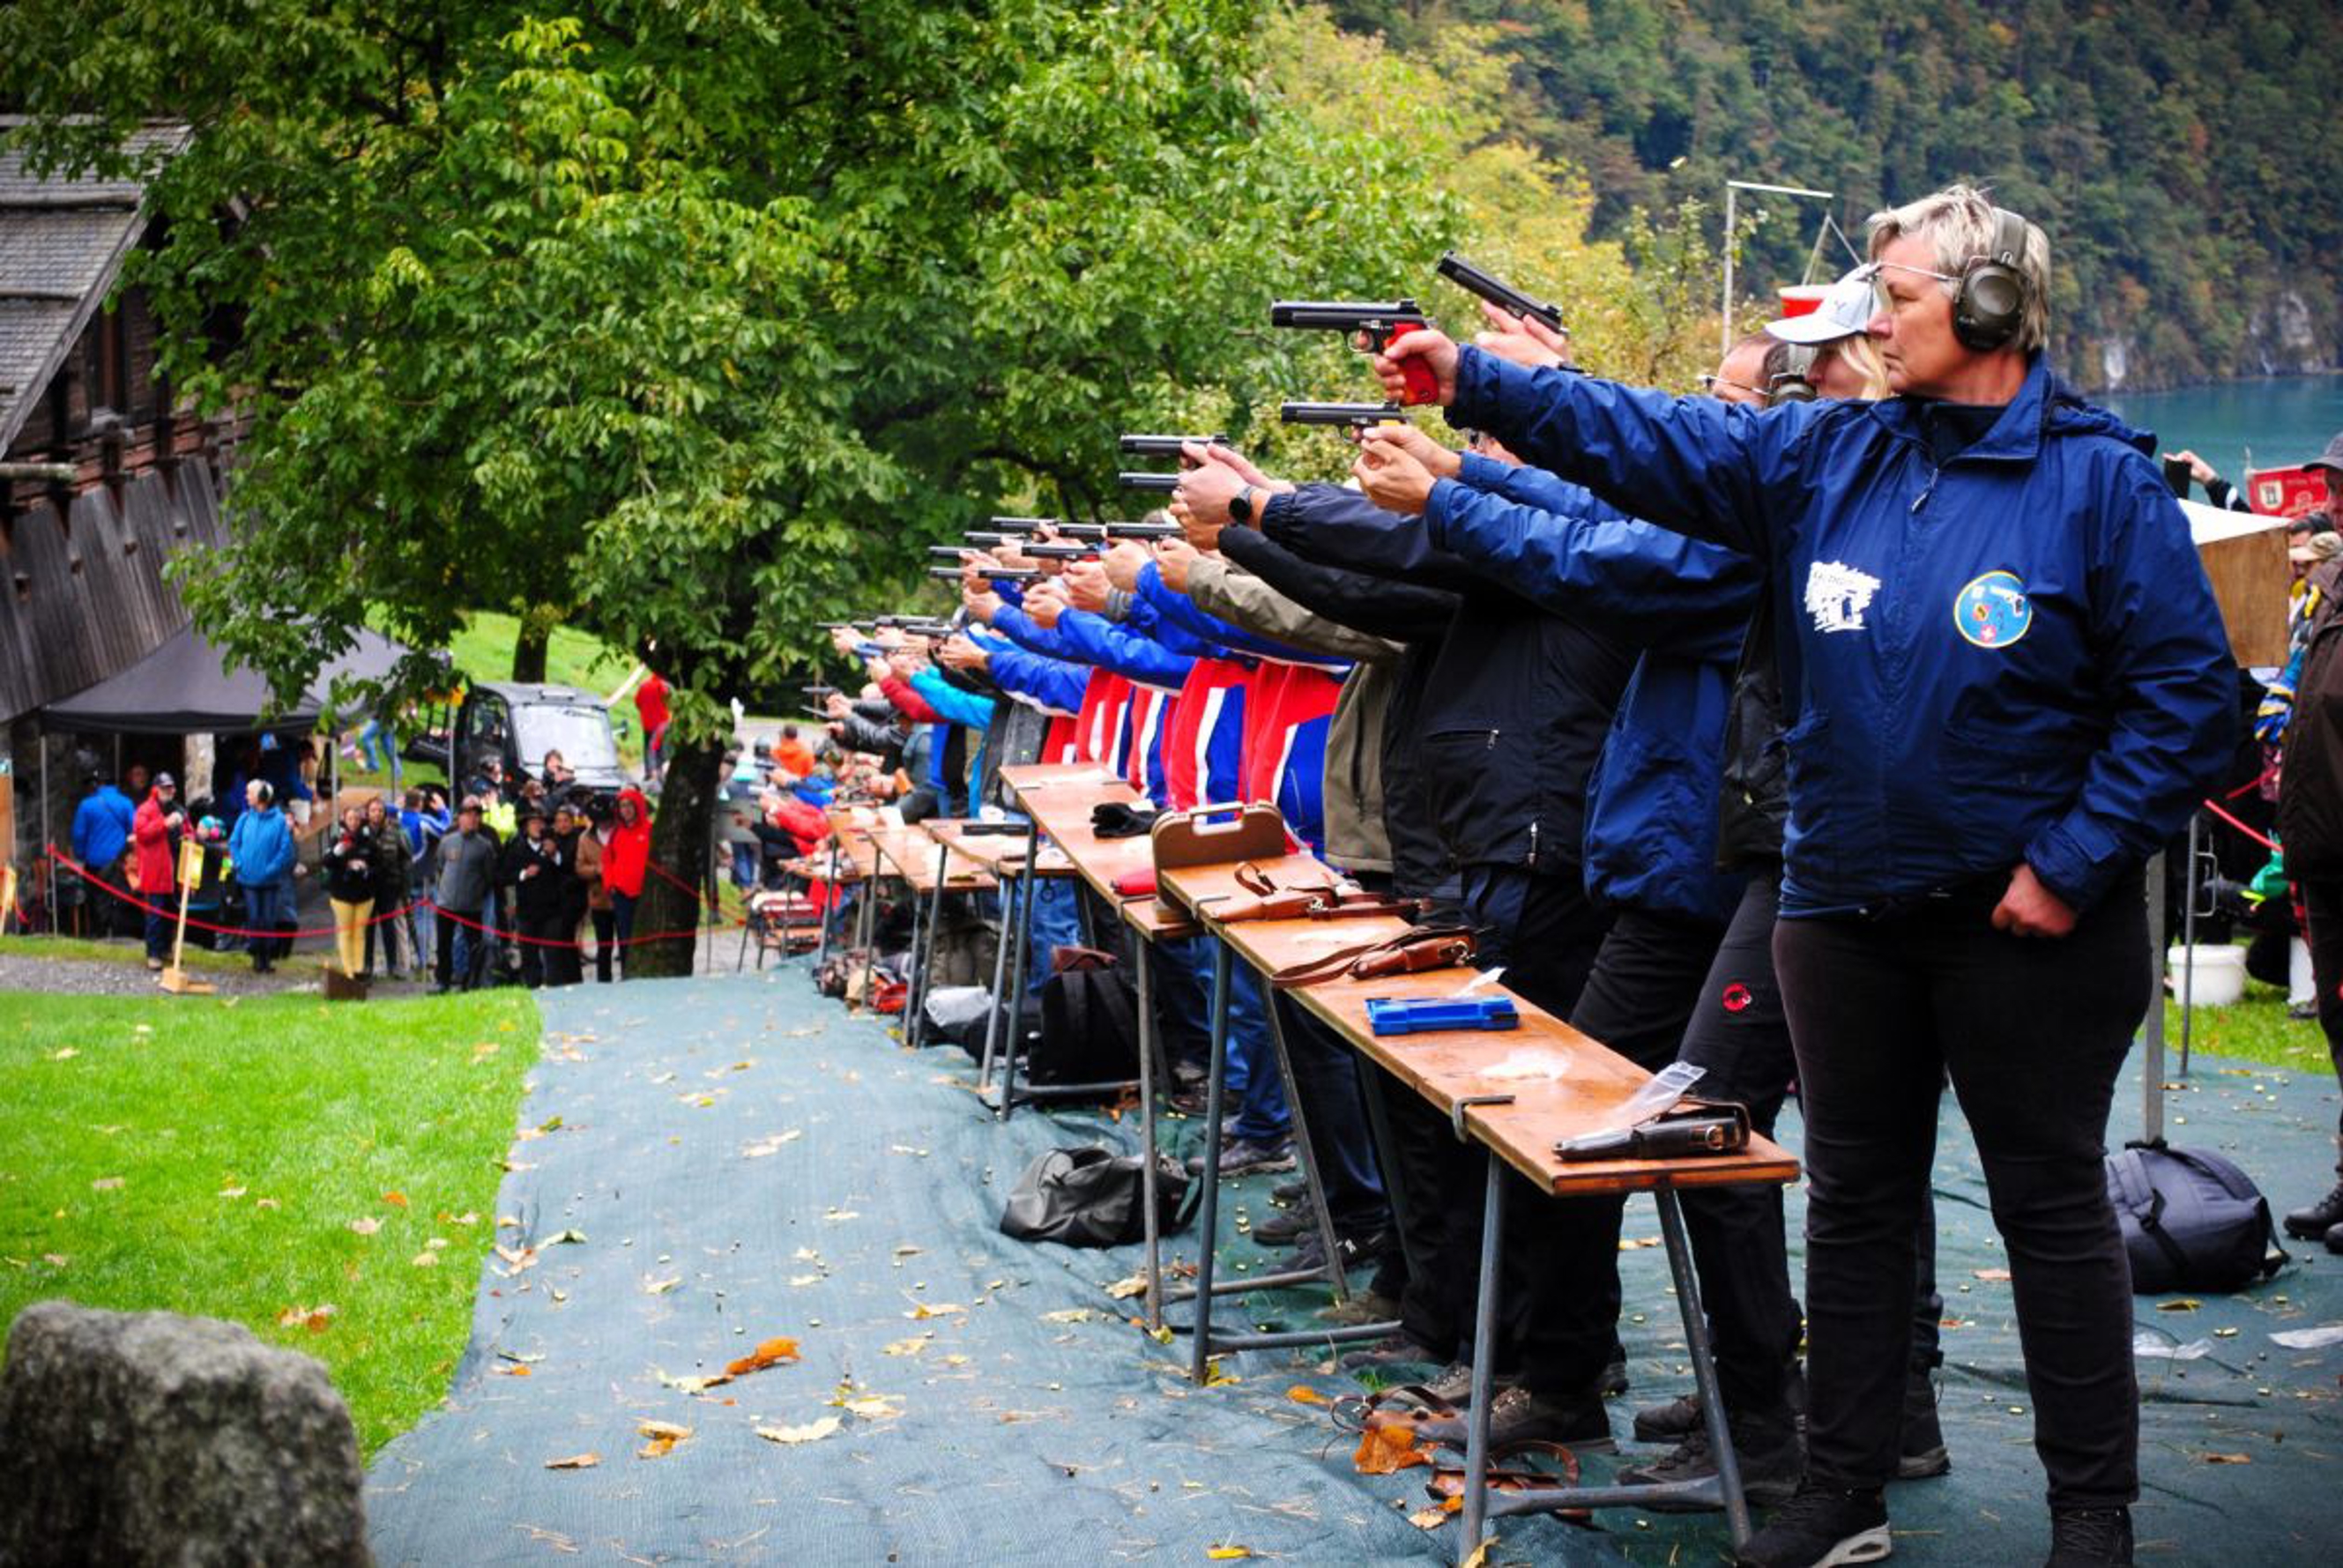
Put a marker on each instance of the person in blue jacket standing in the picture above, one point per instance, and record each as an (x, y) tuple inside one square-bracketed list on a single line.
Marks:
[(101, 835), (261, 849), (2009, 685)]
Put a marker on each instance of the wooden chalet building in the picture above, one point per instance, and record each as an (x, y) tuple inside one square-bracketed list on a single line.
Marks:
[(102, 479)]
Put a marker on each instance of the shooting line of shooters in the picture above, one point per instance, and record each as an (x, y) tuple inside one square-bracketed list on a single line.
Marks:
[(1531, 699)]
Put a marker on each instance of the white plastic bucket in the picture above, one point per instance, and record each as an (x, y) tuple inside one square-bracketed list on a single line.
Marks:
[(2220, 979)]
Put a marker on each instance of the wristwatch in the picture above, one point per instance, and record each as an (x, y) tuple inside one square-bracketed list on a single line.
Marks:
[(1240, 505)]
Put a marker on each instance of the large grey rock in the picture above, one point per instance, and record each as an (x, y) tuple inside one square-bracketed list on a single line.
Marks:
[(137, 1438)]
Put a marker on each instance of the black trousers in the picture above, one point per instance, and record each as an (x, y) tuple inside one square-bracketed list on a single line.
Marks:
[(606, 926), (1738, 1034), (2034, 1032), (445, 973), (2322, 913), (1561, 1310), (1544, 932)]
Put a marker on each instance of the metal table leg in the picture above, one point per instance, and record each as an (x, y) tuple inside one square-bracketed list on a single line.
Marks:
[(915, 1026), (1013, 999), (992, 1014), (1304, 1148), (1142, 956), (1721, 1490), (1484, 1365), (830, 907), (1370, 1091), (1208, 1211), (1703, 1365)]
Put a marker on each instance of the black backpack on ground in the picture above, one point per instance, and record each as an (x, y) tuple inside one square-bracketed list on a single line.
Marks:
[(1090, 1025), (2191, 1221), (1090, 1197)]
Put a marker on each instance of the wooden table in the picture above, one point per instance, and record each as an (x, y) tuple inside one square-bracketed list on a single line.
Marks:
[(1517, 1092)]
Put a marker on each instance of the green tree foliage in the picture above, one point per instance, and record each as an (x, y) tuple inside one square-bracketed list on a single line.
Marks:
[(697, 317), (2181, 153)]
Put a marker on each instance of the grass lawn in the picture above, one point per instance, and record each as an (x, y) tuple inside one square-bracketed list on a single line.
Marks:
[(127, 950), (211, 1157), (2254, 1030)]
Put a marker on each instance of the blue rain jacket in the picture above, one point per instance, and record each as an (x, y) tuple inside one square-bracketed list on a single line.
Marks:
[(1651, 802), (2012, 654)]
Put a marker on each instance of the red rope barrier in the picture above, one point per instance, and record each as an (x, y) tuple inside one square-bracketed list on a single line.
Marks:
[(135, 901)]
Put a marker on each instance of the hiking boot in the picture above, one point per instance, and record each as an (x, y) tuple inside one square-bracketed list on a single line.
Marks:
[(1670, 1422), (1395, 1352), (1292, 1191), (1821, 1527), (154, 963), (1241, 1157), (2090, 1538), (1771, 1463), (1361, 1307), (1287, 1226), (1613, 1380), (2310, 1223), (1359, 1253), (1921, 1452), (1517, 1416)]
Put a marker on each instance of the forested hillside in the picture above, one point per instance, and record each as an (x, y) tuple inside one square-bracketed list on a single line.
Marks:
[(2186, 158)]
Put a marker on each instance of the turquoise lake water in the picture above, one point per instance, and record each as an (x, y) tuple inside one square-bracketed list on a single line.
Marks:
[(2280, 420)]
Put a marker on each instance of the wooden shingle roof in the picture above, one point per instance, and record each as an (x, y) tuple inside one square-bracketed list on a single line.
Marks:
[(62, 244)]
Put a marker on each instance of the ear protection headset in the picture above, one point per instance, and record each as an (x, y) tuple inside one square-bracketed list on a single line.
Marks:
[(1794, 381), (1990, 306)]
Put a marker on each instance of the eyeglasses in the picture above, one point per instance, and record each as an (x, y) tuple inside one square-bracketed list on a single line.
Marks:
[(1709, 384)]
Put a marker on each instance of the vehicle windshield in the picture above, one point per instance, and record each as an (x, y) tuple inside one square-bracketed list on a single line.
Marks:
[(579, 732)]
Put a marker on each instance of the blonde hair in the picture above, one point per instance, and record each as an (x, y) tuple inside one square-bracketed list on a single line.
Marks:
[(1958, 222), (1863, 354)]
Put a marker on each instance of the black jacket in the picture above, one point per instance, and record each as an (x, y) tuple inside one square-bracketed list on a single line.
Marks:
[(1415, 617), (1516, 704), (542, 873), (349, 865)]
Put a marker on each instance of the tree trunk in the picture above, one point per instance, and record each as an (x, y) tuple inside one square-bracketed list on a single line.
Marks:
[(681, 832), (529, 644)]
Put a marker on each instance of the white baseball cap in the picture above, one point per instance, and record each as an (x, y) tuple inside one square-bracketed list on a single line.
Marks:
[(1845, 311)]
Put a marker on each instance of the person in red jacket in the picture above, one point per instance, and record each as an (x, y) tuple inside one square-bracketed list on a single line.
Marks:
[(650, 706), (626, 862), (155, 828)]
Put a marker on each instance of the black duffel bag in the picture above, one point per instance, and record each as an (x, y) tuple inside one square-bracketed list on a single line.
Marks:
[(2191, 1221), (1090, 1197)]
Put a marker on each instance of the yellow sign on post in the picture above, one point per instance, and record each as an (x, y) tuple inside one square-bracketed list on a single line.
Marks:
[(191, 872)]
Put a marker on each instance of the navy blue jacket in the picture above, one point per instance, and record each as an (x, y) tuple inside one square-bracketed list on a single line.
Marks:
[(1651, 806), (2012, 654)]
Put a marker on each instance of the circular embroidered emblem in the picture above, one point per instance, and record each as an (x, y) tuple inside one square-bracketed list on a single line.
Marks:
[(1737, 996), (1993, 610)]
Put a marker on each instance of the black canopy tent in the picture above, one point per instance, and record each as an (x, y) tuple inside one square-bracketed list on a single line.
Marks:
[(188, 685)]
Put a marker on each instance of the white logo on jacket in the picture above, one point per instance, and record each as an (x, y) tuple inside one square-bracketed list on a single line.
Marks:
[(1836, 595)]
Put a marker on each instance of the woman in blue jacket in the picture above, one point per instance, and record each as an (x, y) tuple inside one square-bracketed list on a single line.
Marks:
[(2009, 685), (261, 851)]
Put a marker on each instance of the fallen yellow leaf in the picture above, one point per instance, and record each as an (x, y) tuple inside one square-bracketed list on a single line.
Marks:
[(397, 1200), (663, 1435), (692, 1384), (1303, 1393), (231, 1193), (107, 1184), (574, 1461), (769, 1352), (909, 1347), (366, 1227), (661, 1287), (2228, 1459), (1123, 1290), (1428, 1518), (922, 1311), (427, 1260), (1228, 1553), (315, 1319), (812, 1432), (1386, 1451)]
